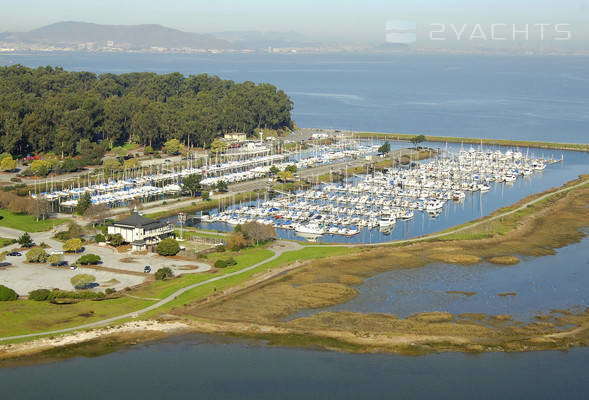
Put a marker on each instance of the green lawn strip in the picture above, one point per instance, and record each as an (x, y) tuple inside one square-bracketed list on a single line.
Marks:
[(22, 317), (189, 234), (25, 222), (6, 241), (286, 258)]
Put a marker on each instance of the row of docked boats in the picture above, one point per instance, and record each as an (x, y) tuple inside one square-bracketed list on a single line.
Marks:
[(381, 199)]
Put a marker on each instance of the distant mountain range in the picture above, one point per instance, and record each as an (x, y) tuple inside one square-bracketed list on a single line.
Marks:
[(88, 36)]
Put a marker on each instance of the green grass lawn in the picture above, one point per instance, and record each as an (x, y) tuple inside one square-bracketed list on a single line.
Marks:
[(6, 241), (28, 316), (26, 222)]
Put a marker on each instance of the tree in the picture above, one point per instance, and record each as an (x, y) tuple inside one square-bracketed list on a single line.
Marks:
[(40, 208), (222, 186), (164, 273), (120, 152), (218, 146), (417, 140), (148, 150), (385, 148), (131, 163), (55, 259), (291, 168), (41, 167), (172, 146), (37, 255), (69, 165), (99, 238), (82, 281), (111, 164), (8, 164), (97, 212), (168, 247), (236, 241), (116, 240), (274, 170), (205, 195), (84, 202), (88, 259), (259, 232), (191, 184), (25, 240), (73, 245), (286, 176), (7, 294)]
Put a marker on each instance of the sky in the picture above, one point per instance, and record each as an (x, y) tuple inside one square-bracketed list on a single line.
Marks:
[(326, 20)]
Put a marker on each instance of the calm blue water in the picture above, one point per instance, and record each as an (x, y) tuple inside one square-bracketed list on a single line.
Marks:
[(541, 284), (200, 367), (510, 97), (476, 205)]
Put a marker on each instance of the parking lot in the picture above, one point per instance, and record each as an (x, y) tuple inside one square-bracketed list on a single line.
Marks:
[(116, 270)]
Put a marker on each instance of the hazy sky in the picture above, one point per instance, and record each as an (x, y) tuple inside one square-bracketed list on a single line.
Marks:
[(335, 20)]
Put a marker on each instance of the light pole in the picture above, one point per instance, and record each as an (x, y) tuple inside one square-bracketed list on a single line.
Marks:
[(181, 219)]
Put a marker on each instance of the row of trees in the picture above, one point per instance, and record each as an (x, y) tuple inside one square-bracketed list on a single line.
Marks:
[(50, 109)]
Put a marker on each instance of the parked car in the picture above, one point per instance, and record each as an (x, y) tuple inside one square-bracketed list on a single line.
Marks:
[(147, 269), (56, 252), (5, 264), (73, 266), (14, 254), (62, 264)]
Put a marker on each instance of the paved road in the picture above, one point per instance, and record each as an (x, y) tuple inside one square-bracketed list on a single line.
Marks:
[(279, 248)]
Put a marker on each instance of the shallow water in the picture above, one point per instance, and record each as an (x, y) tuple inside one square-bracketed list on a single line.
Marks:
[(203, 367), (544, 283)]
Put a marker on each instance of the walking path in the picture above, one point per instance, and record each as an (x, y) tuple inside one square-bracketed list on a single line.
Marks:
[(279, 248)]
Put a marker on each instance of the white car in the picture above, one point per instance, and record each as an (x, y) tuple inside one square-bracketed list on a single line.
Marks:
[(56, 252)]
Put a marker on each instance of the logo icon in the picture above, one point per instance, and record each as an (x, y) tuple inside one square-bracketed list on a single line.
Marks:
[(401, 31)]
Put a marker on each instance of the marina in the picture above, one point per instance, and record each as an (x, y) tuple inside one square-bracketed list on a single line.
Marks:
[(395, 203)]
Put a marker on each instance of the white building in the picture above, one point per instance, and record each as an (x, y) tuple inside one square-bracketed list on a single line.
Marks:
[(236, 136), (143, 233)]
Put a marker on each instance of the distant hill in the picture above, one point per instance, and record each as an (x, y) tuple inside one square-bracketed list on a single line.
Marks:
[(125, 37)]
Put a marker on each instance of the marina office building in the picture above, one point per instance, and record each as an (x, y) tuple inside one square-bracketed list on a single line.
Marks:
[(143, 233)]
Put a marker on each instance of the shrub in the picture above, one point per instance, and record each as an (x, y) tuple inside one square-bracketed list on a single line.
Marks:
[(116, 240), (25, 240), (220, 248), (82, 280), (74, 245), (236, 241), (7, 294), (230, 261), (54, 259), (168, 247), (220, 264), (110, 291), (89, 259), (15, 179), (164, 273), (99, 237), (148, 150), (37, 255), (39, 294)]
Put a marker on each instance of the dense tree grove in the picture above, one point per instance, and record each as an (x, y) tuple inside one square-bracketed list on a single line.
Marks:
[(50, 109)]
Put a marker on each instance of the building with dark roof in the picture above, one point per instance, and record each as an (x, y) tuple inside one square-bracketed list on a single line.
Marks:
[(143, 233)]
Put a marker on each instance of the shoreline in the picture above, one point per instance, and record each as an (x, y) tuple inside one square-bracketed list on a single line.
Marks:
[(425, 329)]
